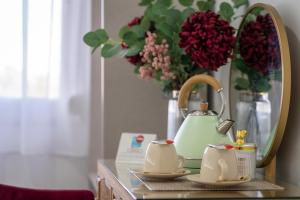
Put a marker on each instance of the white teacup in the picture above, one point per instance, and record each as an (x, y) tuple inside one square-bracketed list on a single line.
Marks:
[(162, 158), (219, 165)]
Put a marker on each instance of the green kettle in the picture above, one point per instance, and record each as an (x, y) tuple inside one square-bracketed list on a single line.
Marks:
[(201, 127)]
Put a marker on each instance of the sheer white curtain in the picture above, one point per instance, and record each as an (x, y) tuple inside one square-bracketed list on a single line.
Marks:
[(44, 76)]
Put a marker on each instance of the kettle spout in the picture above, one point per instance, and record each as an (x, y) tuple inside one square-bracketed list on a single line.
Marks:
[(224, 126)]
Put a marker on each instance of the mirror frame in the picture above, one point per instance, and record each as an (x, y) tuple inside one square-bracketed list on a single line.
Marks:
[(286, 80)]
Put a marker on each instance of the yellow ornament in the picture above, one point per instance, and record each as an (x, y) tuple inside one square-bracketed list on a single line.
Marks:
[(240, 137)]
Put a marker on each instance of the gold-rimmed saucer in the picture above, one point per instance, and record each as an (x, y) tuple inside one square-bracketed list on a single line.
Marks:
[(196, 179), (156, 175)]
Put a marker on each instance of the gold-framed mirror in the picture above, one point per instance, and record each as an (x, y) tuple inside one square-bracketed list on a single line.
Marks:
[(260, 80)]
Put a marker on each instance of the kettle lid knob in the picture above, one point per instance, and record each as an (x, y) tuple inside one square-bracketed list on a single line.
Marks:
[(204, 106)]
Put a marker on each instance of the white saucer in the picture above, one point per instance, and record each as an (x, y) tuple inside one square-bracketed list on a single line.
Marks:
[(154, 175), (196, 178)]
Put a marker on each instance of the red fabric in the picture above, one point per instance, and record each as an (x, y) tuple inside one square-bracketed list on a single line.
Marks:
[(16, 193)]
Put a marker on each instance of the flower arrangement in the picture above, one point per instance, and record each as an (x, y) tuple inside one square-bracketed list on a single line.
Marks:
[(207, 40), (169, 45), (257, 54)]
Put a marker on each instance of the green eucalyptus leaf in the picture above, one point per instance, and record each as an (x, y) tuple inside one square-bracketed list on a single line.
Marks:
[(164, 3), (96, 38), (132, 51), (102, 35), (211, 4), (153, 11), (226, 11), (239, 64), (239, 3), (145, 2), (122, 52), (138, 30), (186, 13), (167, 86), (175, 51), (135, 49), (157, 75), (158, 11), (130, 38), (165, 28), (109, 50), (250, 17), (206, 5), (242, 83), (198, 70), (257, 11), (145, 23), (263, 85), (198, 86), (186, 60), (91, 39), (148, 12), (123, 30), (202, 5), (186, 3), (160, 35), (173, 18), (237, 87)]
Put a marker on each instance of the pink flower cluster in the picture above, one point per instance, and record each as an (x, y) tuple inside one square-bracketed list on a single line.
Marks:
[(155, 58)]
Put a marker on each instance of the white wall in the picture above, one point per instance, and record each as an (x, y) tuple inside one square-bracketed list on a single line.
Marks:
[(288, 154)]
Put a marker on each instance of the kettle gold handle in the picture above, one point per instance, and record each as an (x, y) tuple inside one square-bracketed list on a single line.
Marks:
[(188, 86)]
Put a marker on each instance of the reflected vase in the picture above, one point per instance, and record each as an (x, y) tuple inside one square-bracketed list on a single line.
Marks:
[(175, 117), (254, 115)]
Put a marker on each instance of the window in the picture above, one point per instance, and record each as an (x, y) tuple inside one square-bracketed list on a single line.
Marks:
[(11, 40), (44, 76), (30, 48)]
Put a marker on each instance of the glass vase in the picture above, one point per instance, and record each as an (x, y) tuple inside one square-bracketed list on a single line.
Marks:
[(254, 115)]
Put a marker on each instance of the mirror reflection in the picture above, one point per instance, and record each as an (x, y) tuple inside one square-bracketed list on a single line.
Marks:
[(256, 80)]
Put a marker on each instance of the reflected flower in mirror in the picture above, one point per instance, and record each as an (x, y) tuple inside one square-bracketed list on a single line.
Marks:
[(257, 54)]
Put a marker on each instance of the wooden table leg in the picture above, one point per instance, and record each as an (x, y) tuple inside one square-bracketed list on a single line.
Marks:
[(99, 188), (270, 171)]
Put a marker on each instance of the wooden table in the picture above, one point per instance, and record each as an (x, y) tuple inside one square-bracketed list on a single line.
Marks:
[(115, 182)]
